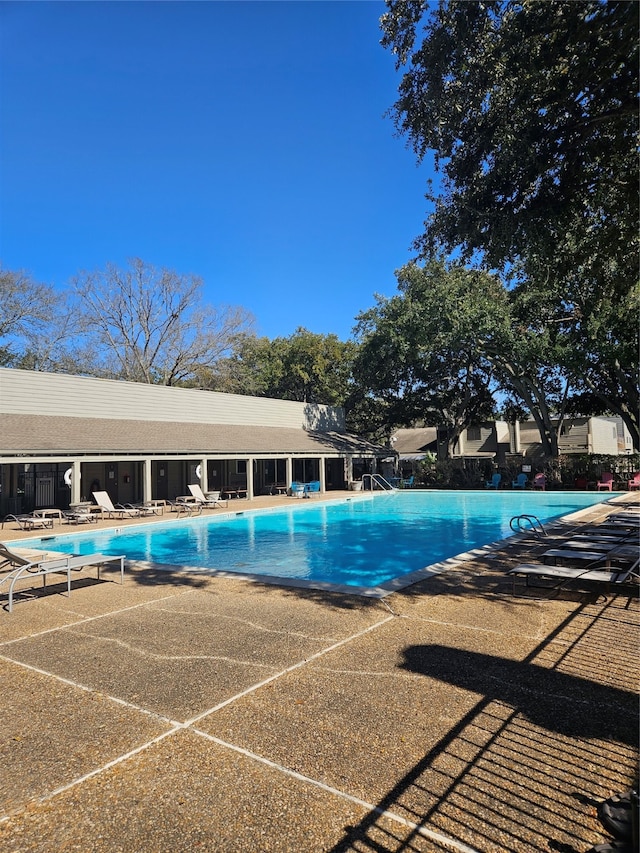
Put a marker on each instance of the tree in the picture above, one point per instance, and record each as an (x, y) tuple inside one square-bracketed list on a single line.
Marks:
[(149, 325), (305, 367), (422, 352), (532, 112), (27, 309), (529, 354)]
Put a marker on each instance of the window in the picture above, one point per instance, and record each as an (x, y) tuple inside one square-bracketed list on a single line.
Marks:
[(474, 433)]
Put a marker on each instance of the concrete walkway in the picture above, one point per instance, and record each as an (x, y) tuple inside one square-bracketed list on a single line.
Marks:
[(182, 713)]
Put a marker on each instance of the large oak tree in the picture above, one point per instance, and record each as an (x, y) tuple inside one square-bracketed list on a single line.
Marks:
[(531, 111)]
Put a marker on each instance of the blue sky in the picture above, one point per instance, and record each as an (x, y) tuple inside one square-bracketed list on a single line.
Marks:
[(244, 142)]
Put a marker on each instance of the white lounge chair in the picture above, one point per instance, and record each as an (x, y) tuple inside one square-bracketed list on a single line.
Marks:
[(9, 560), (28, 522), (212, 499), (61, 565), (106, 505)]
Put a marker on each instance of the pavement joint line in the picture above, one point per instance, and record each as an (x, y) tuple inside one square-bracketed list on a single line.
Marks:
[(370, 807), (71, 683), (287, 670), (97, 770), (87, 619), (175, 725)]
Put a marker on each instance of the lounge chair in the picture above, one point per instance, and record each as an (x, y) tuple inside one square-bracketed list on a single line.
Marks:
[(61, 565), (605, 554), (211, 500), (106, 505), (9, 560), (605, 483), (612, 579), (187, 507), (494, 482), (80, 517), (520, 482), (28, 522), (312, 488), (297, 490)]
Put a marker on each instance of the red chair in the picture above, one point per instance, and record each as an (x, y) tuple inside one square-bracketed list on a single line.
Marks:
[(605, 483), (634, 483)]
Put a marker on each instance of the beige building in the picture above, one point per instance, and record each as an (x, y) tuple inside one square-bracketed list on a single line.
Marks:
[(63, 437), (497, 439)]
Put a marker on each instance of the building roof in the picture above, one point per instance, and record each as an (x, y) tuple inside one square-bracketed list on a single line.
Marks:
[(414, 441), (54, 435)]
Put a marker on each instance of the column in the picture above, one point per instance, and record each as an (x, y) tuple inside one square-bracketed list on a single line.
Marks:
[(147, 487), (76, 486), (250, 479), (204, 476), (348, 470)]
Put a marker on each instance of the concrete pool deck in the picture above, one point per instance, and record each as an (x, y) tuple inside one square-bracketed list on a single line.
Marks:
[(184, 712)]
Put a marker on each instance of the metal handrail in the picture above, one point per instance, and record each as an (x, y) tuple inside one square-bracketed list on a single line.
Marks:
[(527, 524), (377, 479)]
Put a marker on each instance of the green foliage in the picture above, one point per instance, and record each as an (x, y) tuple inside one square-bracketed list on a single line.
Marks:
[(305, 367), (422, 352), (531, 111)]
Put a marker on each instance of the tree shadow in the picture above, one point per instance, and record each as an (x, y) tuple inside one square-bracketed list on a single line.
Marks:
[(523, 767), (556, 701)]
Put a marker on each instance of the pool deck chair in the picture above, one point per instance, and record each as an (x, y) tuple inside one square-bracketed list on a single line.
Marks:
[(540, 482), (62, 565), (28, 522), (9, 560), (520, 482), (211, 501), (494, 482), (605, 483), (605, 554), (624, 580), (634, 483), (106, 505)]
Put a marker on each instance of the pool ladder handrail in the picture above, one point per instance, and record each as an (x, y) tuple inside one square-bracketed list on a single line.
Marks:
[(376, 479), (527, 524)]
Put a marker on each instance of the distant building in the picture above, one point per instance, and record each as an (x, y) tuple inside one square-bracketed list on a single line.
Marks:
[(63, 437), (498, 439)]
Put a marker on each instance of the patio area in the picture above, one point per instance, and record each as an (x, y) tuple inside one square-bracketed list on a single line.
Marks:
[(181, 713)]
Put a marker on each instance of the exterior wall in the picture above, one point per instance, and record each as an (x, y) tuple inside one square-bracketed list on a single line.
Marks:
[(494, 438), (575, 437), (604, 436), (529, 437), (31, 392), (579, 435)]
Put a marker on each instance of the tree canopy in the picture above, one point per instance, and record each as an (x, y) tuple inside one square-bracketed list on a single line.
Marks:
[(305, 367), (531, 111), (422, 354), (149, 324)]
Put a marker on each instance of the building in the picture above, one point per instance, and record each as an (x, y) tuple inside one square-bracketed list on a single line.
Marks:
[(497, 440), (63, 437), (490, 440)]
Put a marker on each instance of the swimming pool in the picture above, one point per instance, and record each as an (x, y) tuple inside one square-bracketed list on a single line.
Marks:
[(363, 543)]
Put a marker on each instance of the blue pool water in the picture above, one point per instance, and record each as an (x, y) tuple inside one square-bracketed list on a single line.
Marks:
[(363, 542)]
